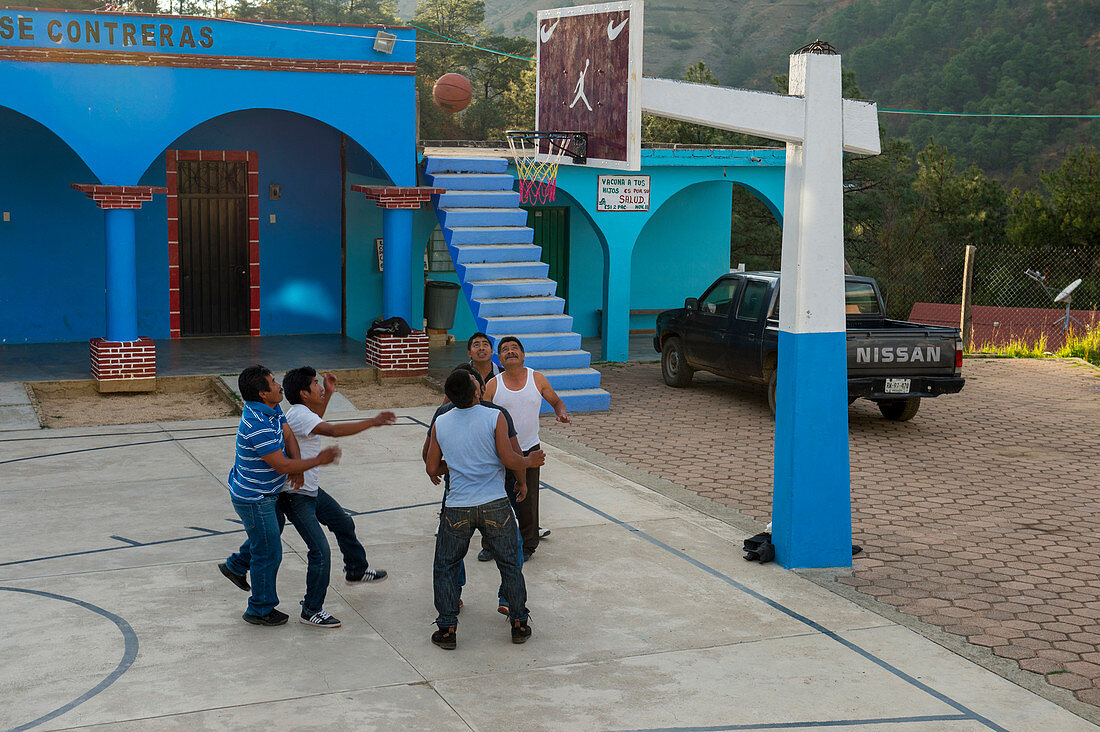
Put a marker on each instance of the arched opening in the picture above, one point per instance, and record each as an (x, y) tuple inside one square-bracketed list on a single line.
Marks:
[(756, 233), (683, 247), (259, 232), (51, 265)]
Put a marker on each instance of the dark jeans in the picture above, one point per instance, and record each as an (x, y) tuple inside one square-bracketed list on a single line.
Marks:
[(497, 524), (527, 510), (308, 514), (260, 554)]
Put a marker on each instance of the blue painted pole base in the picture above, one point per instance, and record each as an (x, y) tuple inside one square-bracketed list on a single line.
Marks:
[(121, 275), (812, 505), (397, 265)]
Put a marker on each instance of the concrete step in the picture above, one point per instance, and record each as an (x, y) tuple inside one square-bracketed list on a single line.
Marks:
[(454, 164), (488, 235), (477, 199), (582, 400), (471, 181), (555, 341), (521, 325), (503, 270), (498, 306), (571, 359), (570, 379), (512, 287), (482, 216), (481, 253)]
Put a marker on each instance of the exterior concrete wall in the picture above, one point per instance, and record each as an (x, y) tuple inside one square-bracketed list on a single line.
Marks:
[(104, 110)]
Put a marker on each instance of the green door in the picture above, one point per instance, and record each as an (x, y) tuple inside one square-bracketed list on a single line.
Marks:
[(551, 225)]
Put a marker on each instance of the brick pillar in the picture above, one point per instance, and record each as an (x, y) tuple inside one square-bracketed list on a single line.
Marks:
[(124, 365), (123, 361), (396, 357)]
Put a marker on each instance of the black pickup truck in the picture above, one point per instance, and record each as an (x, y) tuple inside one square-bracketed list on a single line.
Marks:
[(732, 331)]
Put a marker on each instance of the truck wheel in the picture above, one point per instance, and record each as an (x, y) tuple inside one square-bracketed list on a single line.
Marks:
[(899, 410), (674, 367), (773, 378)]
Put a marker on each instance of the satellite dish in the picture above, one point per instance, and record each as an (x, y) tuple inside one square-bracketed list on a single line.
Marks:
[(1063, 296)]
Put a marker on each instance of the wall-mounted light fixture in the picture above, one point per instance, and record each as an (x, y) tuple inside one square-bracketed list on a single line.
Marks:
[(274, 191), (383, 42)]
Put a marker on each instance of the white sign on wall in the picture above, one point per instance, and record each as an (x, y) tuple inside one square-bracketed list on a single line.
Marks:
[(622, 193)]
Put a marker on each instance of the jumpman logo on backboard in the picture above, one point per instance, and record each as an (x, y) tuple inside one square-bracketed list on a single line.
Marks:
[(580, 88)]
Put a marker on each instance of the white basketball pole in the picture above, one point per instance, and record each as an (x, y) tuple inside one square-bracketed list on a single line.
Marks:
[(811, 506)]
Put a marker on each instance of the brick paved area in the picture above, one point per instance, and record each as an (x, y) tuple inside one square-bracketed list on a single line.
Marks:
[(980, 516)]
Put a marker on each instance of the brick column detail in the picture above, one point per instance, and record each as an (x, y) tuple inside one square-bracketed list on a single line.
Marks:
[(124, 365), (111, 197), (394, 356), (398, 196)]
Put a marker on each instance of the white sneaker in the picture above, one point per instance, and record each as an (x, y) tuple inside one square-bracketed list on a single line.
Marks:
[(543, 533), (319, 619)]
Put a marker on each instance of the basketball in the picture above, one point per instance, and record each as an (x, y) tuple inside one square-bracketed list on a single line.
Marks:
[(452, 93)]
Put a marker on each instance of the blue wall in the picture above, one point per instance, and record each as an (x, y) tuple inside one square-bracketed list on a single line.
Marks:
[(52, 265), (51, 251)]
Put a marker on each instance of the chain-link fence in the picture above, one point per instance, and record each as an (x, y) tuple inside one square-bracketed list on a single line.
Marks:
[(1014, 288)]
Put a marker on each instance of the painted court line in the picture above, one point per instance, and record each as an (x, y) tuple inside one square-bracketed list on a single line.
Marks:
[(805, 725), (129, 653), (131, 544), (412, 422), (969, 713)]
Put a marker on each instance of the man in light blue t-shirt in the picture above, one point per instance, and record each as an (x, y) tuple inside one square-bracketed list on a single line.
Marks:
[(471, 444)]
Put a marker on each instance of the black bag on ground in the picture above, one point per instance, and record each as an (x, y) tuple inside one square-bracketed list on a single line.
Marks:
[(759, 548), (395, 326)]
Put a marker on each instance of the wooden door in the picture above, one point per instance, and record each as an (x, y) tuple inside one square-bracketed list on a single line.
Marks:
[(213, 248)]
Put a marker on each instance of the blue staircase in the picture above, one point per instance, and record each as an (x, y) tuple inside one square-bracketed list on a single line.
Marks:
[(503, 278)]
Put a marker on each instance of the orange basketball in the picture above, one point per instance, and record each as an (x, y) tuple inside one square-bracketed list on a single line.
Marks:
[(452, 93)]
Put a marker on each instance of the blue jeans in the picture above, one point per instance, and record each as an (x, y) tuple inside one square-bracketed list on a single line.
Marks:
[(497, 524), (308, 514), (302, 512), (260, 554), (332, 515)]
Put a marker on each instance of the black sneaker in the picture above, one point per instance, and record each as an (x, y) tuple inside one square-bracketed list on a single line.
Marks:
[(446, 639), (369, 575), (319, 619), (237, 579), (272, 618), (521, 631), (484, 556)]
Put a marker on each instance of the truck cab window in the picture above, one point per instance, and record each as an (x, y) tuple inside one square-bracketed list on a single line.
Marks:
[(720, 298), (753, 300), (860, 299)]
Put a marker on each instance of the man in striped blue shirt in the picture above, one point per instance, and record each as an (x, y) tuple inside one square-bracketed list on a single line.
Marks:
[(266, 454)]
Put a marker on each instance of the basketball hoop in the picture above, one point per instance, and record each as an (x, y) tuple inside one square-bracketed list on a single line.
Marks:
[(537, 155)]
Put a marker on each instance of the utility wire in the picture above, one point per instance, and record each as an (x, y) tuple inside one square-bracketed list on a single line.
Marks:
[(989, 114), (447, 41)]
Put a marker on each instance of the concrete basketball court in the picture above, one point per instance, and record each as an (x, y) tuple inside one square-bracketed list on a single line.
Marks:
[(644, 614)]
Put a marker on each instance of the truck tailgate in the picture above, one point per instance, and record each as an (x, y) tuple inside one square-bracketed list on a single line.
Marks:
[(905, 351)]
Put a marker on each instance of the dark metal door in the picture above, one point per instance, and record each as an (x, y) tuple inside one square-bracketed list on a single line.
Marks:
[(213, 250), (551, 225)]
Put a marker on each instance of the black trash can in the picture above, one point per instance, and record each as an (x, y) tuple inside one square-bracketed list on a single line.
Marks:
[(440, 301)]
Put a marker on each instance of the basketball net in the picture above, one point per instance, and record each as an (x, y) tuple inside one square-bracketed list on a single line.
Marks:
[(537, 171)]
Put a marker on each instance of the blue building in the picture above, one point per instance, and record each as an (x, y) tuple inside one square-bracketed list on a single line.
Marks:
[(220, 158)]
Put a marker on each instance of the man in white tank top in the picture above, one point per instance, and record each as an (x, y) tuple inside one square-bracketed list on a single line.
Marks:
[(521, 390)]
